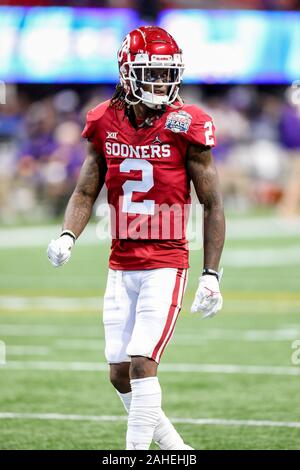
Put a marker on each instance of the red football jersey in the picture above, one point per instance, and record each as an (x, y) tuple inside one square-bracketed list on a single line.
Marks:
[(147, 183)]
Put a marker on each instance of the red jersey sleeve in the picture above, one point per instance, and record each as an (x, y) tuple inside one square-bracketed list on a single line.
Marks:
[(89, 128), (201, 130), (92, 122)]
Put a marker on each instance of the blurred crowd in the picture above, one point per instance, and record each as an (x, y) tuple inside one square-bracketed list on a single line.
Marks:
[(41, 149)]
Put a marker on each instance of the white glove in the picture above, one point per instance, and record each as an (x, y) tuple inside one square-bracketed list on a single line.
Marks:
[(208, 299), (59, 251)]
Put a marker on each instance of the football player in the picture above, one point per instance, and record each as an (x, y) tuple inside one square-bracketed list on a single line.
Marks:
[(146, 145)]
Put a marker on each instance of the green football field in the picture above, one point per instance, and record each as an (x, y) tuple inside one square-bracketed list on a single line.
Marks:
[(232, 382)]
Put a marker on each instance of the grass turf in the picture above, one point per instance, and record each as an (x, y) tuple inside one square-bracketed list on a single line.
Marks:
[(257, 326)]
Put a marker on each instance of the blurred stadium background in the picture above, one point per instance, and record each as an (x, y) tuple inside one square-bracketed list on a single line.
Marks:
[(228, 383)]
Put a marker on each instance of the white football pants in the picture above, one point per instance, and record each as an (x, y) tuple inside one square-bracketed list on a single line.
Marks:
[(140, 312)]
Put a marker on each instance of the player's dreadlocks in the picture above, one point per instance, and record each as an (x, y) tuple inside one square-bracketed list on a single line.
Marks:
[(118, 98)]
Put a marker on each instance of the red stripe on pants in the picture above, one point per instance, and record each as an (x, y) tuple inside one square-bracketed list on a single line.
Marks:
[(171, 332), (170, 314)]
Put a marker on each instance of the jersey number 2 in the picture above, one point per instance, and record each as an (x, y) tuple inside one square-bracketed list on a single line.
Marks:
[(141, 186), (209, 135)]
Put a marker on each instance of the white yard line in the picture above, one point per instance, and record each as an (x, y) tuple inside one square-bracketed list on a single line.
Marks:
[(40, 236), (28, 330), (178, 368), (51, 303), (262, 257), (78, 344), (105, 418), (87, 335), (261, 227), (74, 304), (24, 350), (239, 228), (214, 334), (258, 257), (194, 340)]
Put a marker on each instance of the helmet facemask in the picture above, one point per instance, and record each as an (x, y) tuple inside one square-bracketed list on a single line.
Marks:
[(153, 82)]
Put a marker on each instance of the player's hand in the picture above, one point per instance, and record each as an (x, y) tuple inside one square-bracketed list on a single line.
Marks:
[(208, 299), (59, 251)]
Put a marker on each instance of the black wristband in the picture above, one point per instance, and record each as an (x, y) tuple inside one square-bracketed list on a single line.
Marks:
[(210, 272), (68, 232)]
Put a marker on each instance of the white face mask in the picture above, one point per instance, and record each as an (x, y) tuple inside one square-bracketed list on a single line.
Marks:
[(154, 83)]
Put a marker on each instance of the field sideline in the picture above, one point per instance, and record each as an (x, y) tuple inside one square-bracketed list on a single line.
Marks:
[(228, 383)]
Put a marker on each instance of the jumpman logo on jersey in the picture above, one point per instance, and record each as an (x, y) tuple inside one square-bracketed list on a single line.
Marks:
[(157, 140)]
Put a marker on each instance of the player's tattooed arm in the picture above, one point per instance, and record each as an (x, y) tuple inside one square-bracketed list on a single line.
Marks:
[(202, 170), (89, 185)]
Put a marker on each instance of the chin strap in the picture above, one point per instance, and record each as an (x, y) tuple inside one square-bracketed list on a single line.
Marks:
[(128, 101), (153, 106), (180, 100)]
